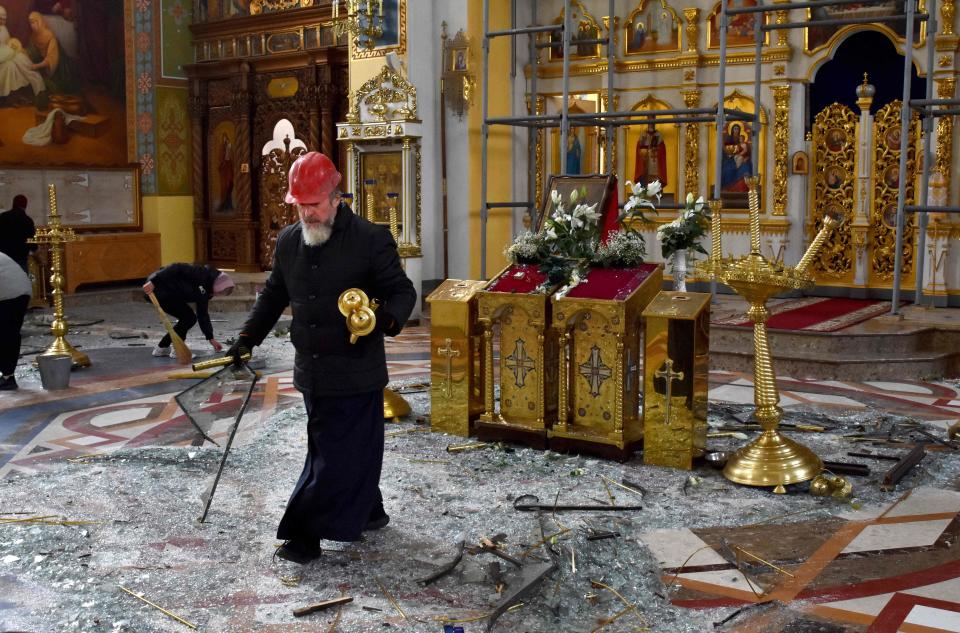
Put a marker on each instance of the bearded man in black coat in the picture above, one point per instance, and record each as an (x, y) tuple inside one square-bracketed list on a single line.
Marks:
[(328, 251)]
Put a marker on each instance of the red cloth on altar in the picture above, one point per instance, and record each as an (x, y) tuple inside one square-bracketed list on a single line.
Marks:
[(613, 284), (520, 278)]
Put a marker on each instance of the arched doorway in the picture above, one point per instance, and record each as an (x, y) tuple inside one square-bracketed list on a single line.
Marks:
[(836, 80)]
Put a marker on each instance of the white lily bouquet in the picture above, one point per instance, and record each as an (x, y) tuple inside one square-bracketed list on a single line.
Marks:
[(685, 232), (566, 246)]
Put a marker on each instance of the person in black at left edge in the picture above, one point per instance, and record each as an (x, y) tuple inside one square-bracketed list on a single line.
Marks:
[(16, 227), (178, 285), (328, 251)]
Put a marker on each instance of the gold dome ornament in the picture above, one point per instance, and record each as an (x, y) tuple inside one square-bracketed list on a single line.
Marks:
[(358, 309)]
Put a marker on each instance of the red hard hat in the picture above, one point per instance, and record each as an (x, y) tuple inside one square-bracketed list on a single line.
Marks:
[(312, 179)]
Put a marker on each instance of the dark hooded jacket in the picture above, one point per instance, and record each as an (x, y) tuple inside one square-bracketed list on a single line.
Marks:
[(310, 279), (190, 284)]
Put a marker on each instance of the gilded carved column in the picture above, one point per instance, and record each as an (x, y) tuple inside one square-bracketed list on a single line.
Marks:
[(944, 155), (946, 17), (691, 150), (781, 143), (781, 18), (692, 14)]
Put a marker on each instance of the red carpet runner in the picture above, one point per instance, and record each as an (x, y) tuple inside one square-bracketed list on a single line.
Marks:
[(817, 314)]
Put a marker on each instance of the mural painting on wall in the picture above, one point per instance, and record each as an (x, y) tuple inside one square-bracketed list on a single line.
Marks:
[(219, 9), (818, 37), (651, 28), (741, 31), (63, 82), (220, 170)]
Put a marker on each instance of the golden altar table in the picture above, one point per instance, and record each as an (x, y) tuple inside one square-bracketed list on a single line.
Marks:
[(598, 324)]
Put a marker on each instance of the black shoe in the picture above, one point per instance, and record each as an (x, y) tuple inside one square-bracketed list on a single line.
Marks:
[(10, 384), (299, 552), (378, 522)]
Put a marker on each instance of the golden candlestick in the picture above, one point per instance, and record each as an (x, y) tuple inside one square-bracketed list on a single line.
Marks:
[(772, 459), (754, 200), (56, 235), (394, 216)]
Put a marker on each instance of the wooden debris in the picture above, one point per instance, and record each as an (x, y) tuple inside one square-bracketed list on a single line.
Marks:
[(469, 446), (159, 608), (493, 547), (902, 467), (892, 458), (599, 536), (320, 606), (393, 601), (847, 468)]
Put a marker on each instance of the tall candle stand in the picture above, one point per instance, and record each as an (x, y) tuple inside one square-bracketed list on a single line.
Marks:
[(771, 459), (56, 235)]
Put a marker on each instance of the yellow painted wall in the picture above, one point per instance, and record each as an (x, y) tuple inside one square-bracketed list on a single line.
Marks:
[(172, 218), (499, 145)]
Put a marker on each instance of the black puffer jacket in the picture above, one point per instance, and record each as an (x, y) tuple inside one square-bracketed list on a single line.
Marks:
[(359, 254), (190, 284)]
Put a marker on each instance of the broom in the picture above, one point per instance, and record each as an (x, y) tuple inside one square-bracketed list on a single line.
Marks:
[(184, 355)]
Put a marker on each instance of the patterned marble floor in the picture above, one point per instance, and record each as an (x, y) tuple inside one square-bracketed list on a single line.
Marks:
[(133, 404), (877, 570)]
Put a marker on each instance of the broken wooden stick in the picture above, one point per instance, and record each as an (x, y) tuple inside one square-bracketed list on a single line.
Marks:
[(899, 470), (847, 468), (320, 606), (529, 503)]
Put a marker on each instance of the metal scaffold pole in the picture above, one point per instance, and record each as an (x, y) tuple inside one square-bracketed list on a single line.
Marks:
[(483, 140), (926, 159), (904, 145)]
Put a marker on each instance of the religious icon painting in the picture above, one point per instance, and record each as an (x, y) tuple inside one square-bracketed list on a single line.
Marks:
[(892, 139), (586, 29), (741, 29), (836, 139), (652, 27), (835, 177), (220, 168), (891, 177), (381, 174), (582, 153), (390, 16), (817, 38), (799, 163), (889, 216)]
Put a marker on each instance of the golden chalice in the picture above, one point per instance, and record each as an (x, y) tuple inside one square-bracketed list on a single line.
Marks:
[(772, 459)]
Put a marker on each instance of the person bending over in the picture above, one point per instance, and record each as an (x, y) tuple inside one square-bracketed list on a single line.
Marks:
[(178, 285)]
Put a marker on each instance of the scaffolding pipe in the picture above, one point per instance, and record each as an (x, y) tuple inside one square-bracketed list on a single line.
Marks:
[(916, 208), (755, 132), (721, 121), (565, 105), (483, 140), (520, 31), (904, 141), (925, 173), (610, 54), (531, 132)]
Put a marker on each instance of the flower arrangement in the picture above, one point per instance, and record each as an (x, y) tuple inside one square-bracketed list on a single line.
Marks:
[(622, 248), (685, 231)]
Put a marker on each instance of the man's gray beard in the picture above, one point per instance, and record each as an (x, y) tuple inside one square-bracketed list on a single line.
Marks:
[(315, 234)]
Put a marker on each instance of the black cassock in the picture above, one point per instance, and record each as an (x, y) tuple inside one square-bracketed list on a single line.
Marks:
[(338, 490)]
